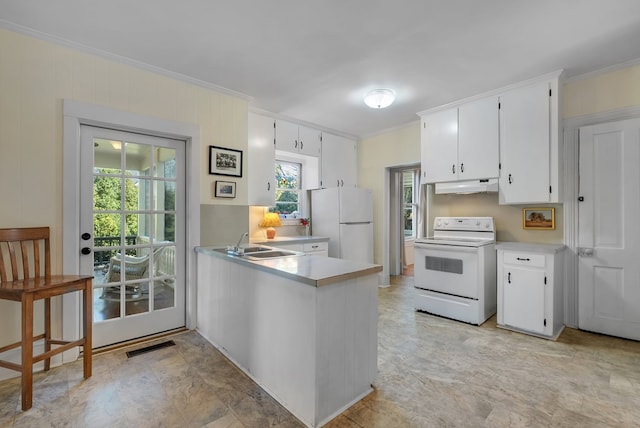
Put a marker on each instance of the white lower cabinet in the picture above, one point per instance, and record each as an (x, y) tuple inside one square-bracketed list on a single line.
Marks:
[(308, 248), (530, 288)]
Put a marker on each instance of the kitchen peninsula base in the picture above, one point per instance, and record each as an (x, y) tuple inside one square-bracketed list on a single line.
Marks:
[(313, 348)]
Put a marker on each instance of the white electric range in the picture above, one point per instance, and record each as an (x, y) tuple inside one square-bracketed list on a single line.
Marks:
[(455, 269)]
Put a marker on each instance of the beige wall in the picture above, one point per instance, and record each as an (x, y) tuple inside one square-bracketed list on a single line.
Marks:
[(35, 76), (609, 91), (397, 148)]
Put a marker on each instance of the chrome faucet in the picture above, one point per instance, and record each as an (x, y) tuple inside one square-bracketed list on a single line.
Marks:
[(237, 247)]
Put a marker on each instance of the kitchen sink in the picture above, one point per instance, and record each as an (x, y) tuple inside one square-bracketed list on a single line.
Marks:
[(256, 249), (271, 254)]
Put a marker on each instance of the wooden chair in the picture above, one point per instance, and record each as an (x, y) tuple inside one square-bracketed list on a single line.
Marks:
[(23, 251)]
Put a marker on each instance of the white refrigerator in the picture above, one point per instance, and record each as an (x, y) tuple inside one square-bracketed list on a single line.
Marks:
[(345, 215)]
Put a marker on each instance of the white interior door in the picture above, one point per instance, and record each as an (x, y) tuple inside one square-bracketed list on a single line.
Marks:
[(609, 232), (132, 217)]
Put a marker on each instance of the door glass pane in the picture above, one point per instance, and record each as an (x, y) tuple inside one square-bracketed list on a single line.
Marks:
[(165, 195), (106, 303), (165, 262), (165, 162), (138, 159), (106, 230), (137, 298), (165, 228), (107, 192), (107, 156), (138, 194)]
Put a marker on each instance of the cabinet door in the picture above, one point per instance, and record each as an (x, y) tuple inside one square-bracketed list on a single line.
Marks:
[(478, 134), (525, 145), (338, 162), (261, 159), (523, 298), (287, 136), (309, 141), (439, 145)]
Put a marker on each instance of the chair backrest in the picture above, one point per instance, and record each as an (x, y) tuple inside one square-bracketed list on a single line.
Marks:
[(23, 252)]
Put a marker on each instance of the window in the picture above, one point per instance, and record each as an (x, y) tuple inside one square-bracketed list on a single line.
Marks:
[(288, 187), (409, 203)]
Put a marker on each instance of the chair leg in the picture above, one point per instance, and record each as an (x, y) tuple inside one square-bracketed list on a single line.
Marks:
[(47, 331), (27, 350), (87, 321)]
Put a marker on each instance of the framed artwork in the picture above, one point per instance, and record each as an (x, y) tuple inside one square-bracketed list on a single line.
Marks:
[(225, 189), (539, 218), (224, 161)]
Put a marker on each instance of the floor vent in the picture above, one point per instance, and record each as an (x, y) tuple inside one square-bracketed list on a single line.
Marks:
[(150, 348)]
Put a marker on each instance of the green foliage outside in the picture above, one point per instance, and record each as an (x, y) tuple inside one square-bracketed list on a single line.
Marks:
[(107, 195)]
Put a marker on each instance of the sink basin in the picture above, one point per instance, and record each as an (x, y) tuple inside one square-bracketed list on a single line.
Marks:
[(255, 249), (271, 254)]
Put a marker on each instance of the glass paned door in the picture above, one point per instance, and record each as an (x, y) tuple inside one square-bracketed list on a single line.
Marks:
[(132, 202)]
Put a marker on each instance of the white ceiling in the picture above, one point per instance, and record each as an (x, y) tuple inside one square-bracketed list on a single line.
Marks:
[(313, 61)]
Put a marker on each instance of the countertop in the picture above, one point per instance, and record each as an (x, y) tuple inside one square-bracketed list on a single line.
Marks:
[(316, 271), (290, 240), (531, 247)]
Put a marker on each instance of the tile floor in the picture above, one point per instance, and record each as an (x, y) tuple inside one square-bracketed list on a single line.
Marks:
[(433, 372)]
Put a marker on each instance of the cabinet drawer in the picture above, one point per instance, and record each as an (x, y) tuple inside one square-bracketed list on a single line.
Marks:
[(292, 247), (315, 246), (524, 259)]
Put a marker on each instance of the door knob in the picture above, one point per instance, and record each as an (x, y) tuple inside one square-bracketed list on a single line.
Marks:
[(86, 250), (85, 236), (585, 252)]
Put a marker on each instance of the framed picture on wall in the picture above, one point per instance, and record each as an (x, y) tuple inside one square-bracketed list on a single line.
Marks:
[(225, 189), (539, 218), (224, 161)]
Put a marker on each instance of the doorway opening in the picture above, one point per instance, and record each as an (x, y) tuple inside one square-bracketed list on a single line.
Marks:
[(404, 217)]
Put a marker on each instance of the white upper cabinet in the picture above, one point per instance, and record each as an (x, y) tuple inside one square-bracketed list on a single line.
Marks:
[(529, 144), (261, 160), (478, 143), (461, 143), (439, 146), (339, 162), (294, 138)]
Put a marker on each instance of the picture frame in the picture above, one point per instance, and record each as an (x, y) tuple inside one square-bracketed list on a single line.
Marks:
[(223, 161), (539, 218), (225, 189)]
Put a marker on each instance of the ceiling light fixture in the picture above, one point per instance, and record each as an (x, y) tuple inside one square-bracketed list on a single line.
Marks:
[(379, 98)]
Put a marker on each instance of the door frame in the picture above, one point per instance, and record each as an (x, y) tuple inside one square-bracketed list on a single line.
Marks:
[(570, 208), (391, 253), (75, 114)]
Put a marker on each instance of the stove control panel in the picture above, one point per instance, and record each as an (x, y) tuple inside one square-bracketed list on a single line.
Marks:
[(463, 223)]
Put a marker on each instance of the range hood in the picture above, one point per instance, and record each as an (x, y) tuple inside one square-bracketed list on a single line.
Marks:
[(469, 186)]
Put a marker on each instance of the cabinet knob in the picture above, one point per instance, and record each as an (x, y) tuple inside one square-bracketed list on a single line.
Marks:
[(510, 180), (453, 169), (509, 277), (461, 167), (268, 185), (301, 144)]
